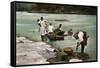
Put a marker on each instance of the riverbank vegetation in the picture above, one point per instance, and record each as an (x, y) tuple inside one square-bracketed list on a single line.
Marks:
[(54, 8)]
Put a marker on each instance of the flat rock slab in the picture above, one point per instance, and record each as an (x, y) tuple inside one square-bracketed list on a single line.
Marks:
[(29, 52)]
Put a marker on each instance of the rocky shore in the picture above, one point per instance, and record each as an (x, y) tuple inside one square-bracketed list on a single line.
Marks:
[(32, 52)]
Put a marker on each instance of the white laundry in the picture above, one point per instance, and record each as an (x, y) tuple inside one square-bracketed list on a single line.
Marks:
[(75, 60)]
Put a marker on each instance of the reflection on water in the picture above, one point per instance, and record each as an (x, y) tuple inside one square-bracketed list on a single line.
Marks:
[(27, 26)]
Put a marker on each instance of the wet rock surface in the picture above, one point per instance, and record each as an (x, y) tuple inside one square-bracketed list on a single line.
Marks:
[(29, 52)]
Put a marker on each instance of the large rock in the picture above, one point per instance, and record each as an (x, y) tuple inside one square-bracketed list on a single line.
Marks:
[(32, 52), (61, 57)]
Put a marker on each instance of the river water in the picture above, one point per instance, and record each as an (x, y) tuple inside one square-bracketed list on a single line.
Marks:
[(26, 25)]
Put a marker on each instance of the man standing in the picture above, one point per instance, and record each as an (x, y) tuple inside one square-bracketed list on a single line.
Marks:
[(42, 28)]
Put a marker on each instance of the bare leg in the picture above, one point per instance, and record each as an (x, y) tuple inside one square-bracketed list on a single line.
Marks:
[(82, 48), (78, 44)]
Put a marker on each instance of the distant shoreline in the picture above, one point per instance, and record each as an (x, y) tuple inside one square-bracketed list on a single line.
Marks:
[(58, 13)]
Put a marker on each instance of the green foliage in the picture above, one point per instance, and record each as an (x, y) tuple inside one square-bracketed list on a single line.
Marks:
[(50, 8)]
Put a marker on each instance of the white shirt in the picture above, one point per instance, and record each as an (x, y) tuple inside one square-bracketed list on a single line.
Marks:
[(50, 28), (80, 35), (42, 28), (42, 23)]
